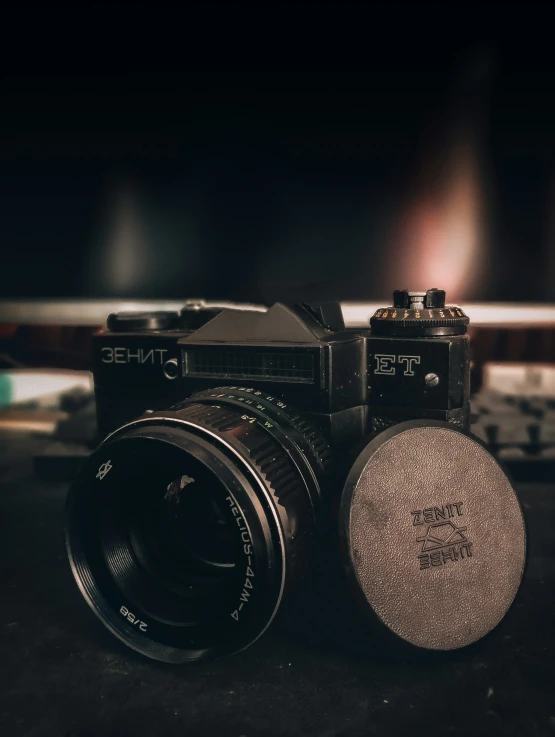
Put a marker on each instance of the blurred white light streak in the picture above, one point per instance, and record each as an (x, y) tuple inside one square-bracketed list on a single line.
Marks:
[(125, 262), (493, 314), (357, 314)]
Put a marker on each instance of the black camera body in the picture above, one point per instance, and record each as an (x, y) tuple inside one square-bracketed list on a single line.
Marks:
[(229, 432), (347, 382)]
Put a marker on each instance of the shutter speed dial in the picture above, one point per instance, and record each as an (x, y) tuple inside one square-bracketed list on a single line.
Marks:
[(419, 314)]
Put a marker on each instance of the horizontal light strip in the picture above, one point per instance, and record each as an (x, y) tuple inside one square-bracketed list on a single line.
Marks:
[(357, 314)]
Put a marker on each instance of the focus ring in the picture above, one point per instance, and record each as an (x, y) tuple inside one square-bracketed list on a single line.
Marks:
[(277, 410)]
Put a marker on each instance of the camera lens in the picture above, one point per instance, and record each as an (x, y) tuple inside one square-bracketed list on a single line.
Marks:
[(188, 521), (180, 532), (186, 527)]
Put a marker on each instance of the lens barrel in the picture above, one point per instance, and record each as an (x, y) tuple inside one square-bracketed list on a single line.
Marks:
[(187, 527)]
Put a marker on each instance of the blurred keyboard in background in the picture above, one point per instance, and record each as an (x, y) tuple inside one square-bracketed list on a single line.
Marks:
[(514, 414)]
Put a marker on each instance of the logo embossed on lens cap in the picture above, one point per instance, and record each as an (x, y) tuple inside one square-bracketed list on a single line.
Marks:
[(444, 540)]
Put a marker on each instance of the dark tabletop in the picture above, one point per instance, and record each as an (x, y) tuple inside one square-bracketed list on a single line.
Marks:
[(64, 675)]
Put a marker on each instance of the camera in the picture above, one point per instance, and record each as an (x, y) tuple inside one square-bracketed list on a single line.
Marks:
[(231, 436)]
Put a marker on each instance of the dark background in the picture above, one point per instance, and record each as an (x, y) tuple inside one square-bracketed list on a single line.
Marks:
[(277, 151)]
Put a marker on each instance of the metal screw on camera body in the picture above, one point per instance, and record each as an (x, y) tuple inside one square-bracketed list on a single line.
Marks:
[(431, 379)]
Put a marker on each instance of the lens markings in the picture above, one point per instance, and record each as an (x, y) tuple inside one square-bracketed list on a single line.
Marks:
[(247, 551)]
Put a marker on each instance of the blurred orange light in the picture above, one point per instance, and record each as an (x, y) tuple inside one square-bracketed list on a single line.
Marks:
[(441, 240)]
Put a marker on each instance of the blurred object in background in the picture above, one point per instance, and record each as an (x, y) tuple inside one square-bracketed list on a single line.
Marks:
[(45, 344), (52, 403), (518, 379), (42, 388), (514, 414), (287, 152), (46, 401), (443, 231)]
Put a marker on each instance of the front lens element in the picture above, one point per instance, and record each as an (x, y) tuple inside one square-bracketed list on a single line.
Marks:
[(185, 525)]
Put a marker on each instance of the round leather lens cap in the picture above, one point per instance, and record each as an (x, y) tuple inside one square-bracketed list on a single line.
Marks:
[(433, 534)]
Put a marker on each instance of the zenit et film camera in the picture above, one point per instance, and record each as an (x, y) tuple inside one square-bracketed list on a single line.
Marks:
[(229, 437)]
